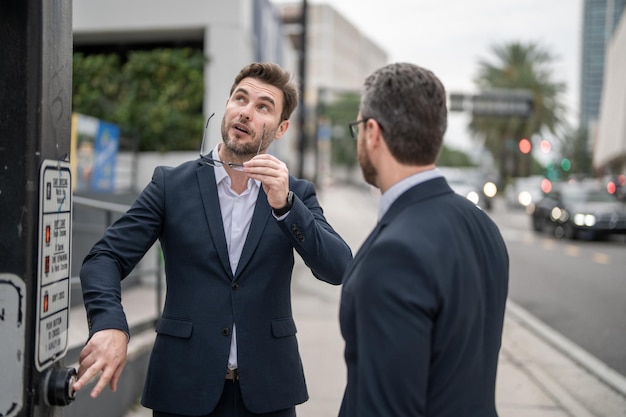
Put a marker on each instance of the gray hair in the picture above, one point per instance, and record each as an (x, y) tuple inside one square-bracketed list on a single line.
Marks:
[(409, 103)]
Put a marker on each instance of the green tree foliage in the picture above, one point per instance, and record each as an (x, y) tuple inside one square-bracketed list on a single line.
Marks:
[(519, 66), (453, 158), (336, 112), (155, 96), (576, 150)]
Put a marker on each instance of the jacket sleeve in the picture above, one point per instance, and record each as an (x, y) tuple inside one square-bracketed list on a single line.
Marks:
[(319, 245), (396, 308), (115, 255)]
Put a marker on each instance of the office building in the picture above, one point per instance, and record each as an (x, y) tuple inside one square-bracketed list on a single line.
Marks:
[(600, 19), (609, 150)]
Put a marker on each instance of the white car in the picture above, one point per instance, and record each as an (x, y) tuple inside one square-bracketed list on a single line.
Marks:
[(524, 191)]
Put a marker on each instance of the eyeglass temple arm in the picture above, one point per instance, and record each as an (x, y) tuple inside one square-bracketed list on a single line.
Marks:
[(261, 141), (204, 133)]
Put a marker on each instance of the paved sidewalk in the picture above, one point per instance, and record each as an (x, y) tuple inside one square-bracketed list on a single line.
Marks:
[(540, 373)]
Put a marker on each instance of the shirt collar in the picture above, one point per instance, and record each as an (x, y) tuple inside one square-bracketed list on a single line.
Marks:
[(400, 187), (222, 175)]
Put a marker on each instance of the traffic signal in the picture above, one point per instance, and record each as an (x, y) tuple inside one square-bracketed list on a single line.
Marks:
[(525, 146), (566, 164), (551, 172)]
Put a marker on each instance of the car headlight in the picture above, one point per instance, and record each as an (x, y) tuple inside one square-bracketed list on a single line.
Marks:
[(490, 189), (558, 214), (581, 219), (524, 198), (472, 196)]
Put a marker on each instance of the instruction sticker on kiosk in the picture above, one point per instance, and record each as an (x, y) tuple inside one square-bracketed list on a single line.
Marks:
[(53, 273)]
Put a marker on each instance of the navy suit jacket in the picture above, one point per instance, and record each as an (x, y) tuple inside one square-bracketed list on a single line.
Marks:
[(422, 310), (180, 207)]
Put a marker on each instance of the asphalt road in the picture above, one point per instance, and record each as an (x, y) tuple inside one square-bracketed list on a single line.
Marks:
[(577, 288)]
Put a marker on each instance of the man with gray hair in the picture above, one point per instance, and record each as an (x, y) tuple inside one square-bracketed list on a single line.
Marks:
[(422, 305)]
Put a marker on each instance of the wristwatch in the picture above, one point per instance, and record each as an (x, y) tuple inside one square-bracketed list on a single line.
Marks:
[(284, 210)]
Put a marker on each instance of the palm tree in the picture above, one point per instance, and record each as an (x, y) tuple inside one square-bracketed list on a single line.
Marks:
[(518, 66)]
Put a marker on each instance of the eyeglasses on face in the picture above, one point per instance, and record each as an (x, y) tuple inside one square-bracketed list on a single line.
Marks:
[(216, 163), (354, 126)]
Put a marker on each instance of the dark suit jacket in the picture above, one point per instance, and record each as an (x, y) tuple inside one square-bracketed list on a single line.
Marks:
[(422, 310), (180, 207)]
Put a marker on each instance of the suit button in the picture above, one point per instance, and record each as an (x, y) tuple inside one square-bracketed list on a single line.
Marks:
[(225, 331), (235, 286), (297, 232)]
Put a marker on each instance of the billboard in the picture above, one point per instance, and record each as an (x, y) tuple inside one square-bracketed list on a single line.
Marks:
[(93, 153)]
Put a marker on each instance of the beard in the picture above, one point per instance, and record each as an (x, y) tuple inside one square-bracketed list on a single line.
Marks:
[(245, 150), (367, 168)]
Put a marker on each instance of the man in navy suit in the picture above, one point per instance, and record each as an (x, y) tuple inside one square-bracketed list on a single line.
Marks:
[(422, 305), (228, 224)]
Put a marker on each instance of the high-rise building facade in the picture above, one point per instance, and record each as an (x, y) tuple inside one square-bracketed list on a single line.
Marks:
[(600, 19)]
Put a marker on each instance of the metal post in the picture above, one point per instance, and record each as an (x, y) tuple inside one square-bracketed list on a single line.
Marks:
[(35, 123), (302, 146)]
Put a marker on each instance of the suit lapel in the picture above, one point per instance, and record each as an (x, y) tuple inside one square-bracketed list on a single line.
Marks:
[(364, 248), (260, 218), (213, 213), (419, 192)]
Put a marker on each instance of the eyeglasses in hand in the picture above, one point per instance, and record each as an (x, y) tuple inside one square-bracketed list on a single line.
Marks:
[(216, 163)]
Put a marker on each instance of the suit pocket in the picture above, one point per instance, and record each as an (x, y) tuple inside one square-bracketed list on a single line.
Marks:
[(174, 327), (284, 327)]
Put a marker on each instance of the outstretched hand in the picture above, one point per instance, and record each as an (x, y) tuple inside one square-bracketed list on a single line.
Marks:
[(104, 353)]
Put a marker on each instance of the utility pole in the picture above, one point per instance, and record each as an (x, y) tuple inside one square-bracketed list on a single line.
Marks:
[(35, 202), (302, 144)]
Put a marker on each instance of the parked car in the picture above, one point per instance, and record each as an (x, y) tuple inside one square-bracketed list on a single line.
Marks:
[(579, 209)]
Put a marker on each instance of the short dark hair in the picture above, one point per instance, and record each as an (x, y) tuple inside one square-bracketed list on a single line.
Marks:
[(409, 103), (272, 74)]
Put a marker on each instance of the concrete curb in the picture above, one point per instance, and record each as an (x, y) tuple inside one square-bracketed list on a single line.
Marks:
[(581, 357)]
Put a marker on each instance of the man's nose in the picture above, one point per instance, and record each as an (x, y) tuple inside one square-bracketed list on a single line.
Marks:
[(245, 113)]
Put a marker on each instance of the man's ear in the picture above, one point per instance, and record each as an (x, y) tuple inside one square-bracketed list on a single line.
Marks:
[(373, 134), (282, 128)]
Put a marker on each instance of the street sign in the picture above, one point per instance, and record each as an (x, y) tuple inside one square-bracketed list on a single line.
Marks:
[(12, 334), (53, 272), (494, 103), (457, 102)]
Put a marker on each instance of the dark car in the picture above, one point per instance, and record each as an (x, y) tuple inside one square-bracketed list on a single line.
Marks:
[(574, 210)]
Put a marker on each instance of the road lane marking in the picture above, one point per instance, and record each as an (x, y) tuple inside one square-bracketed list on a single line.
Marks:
[(601, 258), (547, 244), (572, 250)]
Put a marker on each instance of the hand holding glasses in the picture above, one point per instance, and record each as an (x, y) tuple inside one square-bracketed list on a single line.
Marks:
[(216, 162)]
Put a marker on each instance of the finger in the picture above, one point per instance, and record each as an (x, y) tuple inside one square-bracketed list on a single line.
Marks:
[(265, 160), (103, 381), (85, 375), (269, 170), (82, 378), (116, 376)]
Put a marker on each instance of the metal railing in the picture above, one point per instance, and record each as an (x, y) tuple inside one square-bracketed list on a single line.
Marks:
[(111, 211)]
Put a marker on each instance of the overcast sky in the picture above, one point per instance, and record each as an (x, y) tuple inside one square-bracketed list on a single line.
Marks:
[(449, 37)]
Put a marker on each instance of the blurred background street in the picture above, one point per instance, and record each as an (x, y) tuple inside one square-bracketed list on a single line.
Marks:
[(536, 137), (558, 357), (523, 124)]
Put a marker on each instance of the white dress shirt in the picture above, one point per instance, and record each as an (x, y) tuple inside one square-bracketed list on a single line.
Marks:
[(237, 210), (396, 190)]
